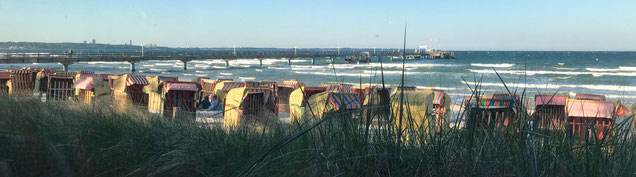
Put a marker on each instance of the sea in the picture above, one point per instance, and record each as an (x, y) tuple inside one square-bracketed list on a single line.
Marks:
[(612, 74)]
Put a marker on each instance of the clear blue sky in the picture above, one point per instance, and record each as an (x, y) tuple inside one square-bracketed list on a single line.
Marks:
[(456, 25)]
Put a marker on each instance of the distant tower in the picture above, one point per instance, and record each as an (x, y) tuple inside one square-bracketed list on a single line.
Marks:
[(130, 42), (93, 41), (84, 41)]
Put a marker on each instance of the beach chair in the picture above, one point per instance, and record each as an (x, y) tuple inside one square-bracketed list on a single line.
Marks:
[(5, 77), (221, 88), (246, 105), (60, 86), (331, 104), (208, 86), (128, 91), (173, 99), (441, 109), (550, 111), (298, 101), (590, 120), (423, 111), (492, 112), (284, 91), (22, 82)]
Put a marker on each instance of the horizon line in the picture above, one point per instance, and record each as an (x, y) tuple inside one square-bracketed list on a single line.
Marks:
[(454, 50)]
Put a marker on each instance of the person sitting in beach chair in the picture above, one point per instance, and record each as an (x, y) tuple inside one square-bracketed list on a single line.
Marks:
[(210, 103), (204, 104), (214, 103)]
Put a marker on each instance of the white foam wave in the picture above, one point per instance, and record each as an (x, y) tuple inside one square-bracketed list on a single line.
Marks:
[(410, 65), (559, 86), (246, 78), (365, 73), (561, 68), (500, 65), (199, 71), (103, 62), (540, 72), (157, 69), (620, 68), (201, 66), (226, 74)]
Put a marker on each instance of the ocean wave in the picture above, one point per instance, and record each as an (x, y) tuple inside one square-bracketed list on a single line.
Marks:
[(501, 65), (226, 74), (201, 66), (246, 78), (541, 72), (410, 65), (258, 70), (620, 68), (157, 69), (103, 62), (208, 62), (559, 86), (561, 68), (364, 73), (199, 71)]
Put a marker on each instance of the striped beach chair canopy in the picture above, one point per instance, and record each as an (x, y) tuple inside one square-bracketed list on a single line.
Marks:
[(505, 96), (136, 80), (260, 84), (590, 108), (438, 98), (346, 88), (253, 90), (291, 84), (182, 86), (204, 80), (168, 79), (552, 100), (363, 86), (5, 76), (491, 103), (583, 96), (230, 85), (348, 101)]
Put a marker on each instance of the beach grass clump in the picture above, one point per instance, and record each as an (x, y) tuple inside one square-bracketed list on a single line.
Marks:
[(65, 138)]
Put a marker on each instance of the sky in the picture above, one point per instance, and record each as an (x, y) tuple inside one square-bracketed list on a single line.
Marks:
[(453, 25)]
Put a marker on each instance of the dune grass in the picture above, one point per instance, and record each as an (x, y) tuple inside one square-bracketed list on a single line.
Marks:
[(72, 139)]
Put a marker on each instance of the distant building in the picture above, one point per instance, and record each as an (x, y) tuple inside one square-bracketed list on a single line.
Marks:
[(130, 42), (84, 41), (93, 41)]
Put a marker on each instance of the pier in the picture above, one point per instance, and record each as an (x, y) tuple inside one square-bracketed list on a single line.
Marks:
[(66, 59)]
